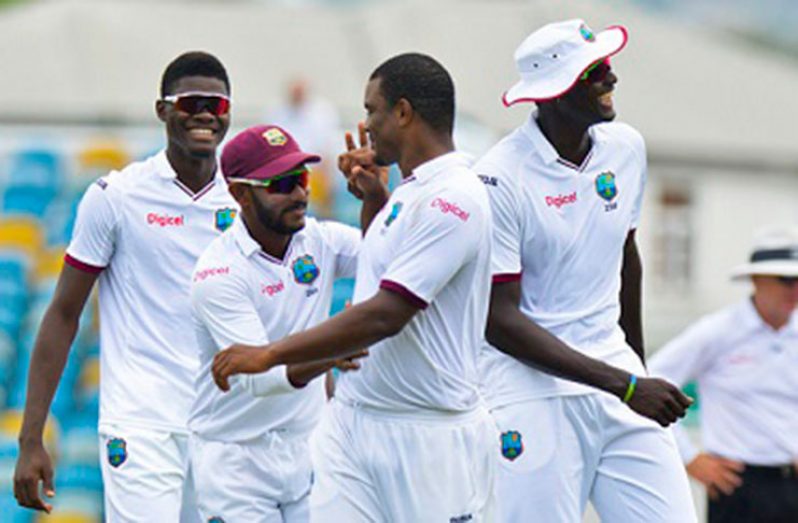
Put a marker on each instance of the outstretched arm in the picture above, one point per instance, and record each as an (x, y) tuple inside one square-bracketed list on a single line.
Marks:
[(512, 332), (631, 281), (56, 333), (352, 330)]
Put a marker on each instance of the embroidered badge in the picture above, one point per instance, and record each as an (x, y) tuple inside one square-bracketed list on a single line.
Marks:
[(224, 218), (607, 189), (305, 270), (512, 444), (394, 213), (275, 137), (586, 33), (215, 519), (117, 451)]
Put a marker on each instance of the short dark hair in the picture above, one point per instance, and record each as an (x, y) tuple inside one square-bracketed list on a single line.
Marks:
[(192, 63), (424, 83)]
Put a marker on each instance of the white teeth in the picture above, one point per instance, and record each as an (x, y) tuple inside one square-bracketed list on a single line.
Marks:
[(202, 132)]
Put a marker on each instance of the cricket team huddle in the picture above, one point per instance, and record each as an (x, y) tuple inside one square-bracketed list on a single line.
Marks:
[(490, 368)]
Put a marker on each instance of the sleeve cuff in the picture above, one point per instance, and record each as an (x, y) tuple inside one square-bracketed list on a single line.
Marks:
[(405, 293), (81, 266), (274, 381), (506, 277)]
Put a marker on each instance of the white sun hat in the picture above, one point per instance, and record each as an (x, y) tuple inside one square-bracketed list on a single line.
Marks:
[(775, 253), (551, 60)]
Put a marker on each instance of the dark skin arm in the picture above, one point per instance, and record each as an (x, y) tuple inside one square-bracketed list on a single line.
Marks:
[(300, 374), (512, 332), (366, 180), (56, 333), (352, 330), (630, 297)]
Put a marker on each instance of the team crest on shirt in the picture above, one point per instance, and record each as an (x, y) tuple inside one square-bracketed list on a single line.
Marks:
[(512, 444), (275, 137), (607, 189), (117, 451), (305, 270), (216, 519), (394, 213), (224, 218)]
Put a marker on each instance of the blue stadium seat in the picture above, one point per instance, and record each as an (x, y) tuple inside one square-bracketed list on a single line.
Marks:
[(41, 168), (27, 200), (342, 292)]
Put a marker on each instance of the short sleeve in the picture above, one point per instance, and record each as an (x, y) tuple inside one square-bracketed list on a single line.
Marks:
[(444, 234), (507, 225), (220, 303), (637, 209), (94, 237), (344, 241)]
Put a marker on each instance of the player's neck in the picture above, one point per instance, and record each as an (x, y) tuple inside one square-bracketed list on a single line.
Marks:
[(773, 316), (427, 146), (571, 140), (193, 172), (272, 243)]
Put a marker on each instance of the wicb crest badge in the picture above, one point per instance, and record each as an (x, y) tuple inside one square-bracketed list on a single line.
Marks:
[(394, 213), (512, 444), (305, 270), (224, 219), (605, 186), (117, 451), (275, 137)]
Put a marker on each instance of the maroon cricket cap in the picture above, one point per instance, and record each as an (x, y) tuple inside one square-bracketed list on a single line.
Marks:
[(262, 152)]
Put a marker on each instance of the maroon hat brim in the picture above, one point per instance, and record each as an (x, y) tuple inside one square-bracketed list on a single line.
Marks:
[(281, 165)]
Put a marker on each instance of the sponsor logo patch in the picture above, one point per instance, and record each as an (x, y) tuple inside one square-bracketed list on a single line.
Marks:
[(275, 137), (560, 200), (223, 218), (164, 220), (449, 208), (102, 183), (305, 270), (512, 444), (117, 451), (272, 289), (489, 180), (211, 271)]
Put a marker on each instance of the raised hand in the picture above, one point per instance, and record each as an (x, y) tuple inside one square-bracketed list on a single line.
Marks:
[(364, 177), (659, 400)]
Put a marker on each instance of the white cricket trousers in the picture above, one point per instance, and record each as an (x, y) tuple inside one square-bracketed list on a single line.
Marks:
[(555, 453), (146, 475), (379, 467)]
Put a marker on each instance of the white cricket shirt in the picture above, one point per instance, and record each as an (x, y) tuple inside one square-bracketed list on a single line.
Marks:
[(747, 375), (239, 294), (144, 230), (430, 243), (560, 228)]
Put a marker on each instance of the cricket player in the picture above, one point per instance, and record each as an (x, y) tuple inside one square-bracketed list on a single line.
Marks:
[(139, 232), (269, 276), (406, 437), (565, 191), (744, 358)]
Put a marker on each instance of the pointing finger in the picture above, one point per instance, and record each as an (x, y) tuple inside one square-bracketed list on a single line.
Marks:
[(361, 130)]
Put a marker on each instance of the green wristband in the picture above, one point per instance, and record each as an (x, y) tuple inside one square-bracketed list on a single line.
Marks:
[(630, 390)]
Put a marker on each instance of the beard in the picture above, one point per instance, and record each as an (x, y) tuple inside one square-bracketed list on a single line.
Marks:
[(274, 221)]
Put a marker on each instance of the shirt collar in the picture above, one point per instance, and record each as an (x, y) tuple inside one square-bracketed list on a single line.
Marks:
[(545, 149), (748, 319), (439, 164), (248, 246), (166, 171)]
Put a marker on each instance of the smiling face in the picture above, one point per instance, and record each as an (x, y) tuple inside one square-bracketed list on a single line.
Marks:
[(382, 124), (283, 214), (194, 135), (590, 101)]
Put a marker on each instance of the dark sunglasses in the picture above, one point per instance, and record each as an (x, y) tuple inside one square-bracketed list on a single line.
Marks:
[(788, 280), (597, 72), (198, 102), (283, 184)]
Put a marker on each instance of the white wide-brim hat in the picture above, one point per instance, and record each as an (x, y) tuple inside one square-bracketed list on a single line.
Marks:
[(775, 253), (553, 58)]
